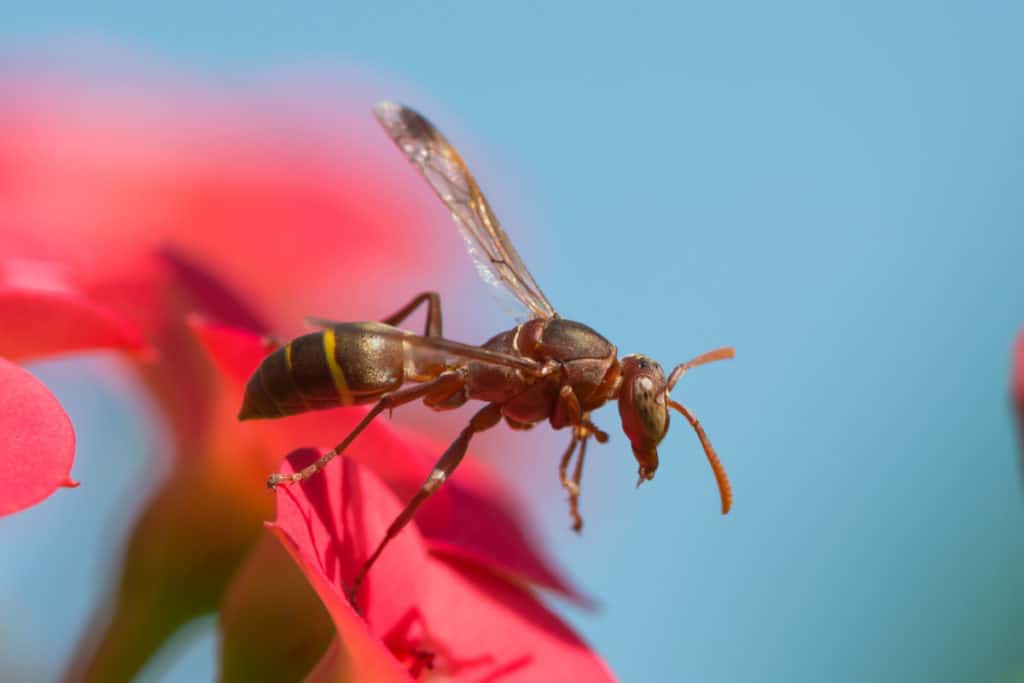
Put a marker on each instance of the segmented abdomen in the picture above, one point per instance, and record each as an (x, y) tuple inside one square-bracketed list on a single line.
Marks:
[(346, 365)]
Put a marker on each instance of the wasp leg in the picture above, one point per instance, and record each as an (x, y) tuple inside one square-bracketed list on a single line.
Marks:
[(443, 383), (571, 487), (433, 326), (570, 411), (484, 419), (569, 406), (580, 434), (574, 499)]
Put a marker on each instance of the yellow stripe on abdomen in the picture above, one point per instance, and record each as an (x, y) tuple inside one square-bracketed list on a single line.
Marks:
[(337, 374)]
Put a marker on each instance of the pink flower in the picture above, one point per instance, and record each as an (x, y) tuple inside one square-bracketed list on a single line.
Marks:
[(426, 615)]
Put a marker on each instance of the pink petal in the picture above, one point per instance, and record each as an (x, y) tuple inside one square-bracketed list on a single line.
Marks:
[(39, 323), (476, 518), (37, 442), (210, 295), (236, 352), (152, 290), (159, 290), (460, 620), (514, 637), (317, 545)]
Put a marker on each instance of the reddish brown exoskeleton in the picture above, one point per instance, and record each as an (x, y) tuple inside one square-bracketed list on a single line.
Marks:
[(546, 368)]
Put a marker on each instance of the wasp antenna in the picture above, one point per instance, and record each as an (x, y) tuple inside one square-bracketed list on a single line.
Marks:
[(723, 353), (724, 489)]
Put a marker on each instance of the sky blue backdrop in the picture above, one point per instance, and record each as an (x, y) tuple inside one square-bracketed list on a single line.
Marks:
[(835, 190)]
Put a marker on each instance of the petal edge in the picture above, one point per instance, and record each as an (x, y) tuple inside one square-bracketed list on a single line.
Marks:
[(37, 441)]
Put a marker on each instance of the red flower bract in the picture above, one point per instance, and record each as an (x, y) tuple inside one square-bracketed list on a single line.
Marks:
[(423, 612)]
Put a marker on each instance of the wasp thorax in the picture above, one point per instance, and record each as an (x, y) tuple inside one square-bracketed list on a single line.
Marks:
[(643, 409)]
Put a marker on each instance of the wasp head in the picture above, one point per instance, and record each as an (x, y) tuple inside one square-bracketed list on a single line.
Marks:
[(643, 407)]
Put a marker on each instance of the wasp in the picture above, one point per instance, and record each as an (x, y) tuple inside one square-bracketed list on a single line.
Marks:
[(545, 368)]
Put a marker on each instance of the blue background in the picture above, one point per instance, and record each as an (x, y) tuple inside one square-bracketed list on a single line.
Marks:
[(835, 190)]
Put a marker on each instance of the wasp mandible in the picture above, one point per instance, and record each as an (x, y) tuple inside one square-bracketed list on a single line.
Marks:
[(546, 368)]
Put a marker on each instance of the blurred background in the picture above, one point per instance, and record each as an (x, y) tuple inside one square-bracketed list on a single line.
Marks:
[(833, 189)]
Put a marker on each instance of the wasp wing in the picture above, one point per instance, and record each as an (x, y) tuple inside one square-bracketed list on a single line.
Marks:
[(455, 349), (442, 167)]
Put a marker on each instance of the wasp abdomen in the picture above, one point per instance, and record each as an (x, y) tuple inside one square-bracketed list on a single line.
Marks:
[(346, 365)]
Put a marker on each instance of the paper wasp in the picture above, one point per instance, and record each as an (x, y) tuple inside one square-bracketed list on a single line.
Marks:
[(546, 368)]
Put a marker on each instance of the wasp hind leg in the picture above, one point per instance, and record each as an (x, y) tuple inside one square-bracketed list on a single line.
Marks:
[(432, 327), (444, 384), (485, 418)]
